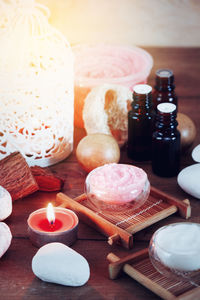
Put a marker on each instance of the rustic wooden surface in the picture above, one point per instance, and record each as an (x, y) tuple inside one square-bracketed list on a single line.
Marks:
[(16, 278)]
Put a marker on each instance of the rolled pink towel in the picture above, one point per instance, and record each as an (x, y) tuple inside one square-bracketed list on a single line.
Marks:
[(99, 64)]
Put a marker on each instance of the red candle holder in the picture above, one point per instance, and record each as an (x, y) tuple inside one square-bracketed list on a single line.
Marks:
[(64, 229)]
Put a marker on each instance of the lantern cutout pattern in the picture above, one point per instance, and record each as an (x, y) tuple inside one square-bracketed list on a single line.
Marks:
[(36, 85)]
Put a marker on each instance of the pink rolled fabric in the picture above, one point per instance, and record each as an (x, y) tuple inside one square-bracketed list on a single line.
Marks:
[(111, 64), (117, 184), (99, 64)]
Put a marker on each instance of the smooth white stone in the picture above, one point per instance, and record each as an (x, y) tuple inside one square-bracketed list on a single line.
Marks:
[(5, 204), (5, 238), (57, 263), (189, 180), (196, 153)]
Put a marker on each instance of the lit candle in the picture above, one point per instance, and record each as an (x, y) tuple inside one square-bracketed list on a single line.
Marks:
[(54, 224), (50, 214)]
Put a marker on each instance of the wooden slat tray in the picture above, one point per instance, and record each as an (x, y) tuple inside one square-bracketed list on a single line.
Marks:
[(139, 267), (120, 227)]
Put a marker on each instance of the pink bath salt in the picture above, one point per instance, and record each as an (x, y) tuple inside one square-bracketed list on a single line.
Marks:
[(117, 183)]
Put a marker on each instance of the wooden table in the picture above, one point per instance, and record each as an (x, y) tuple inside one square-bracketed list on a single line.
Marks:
[(16, 278)]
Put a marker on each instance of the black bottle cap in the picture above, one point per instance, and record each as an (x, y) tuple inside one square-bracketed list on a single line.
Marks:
[(164, 76), (164, 73)]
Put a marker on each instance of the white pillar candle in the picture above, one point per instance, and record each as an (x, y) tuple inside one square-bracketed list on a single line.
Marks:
[(178, 246)]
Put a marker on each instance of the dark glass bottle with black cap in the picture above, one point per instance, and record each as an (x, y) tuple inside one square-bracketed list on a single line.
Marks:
[(164, 88), (140, 124), (166, 142)]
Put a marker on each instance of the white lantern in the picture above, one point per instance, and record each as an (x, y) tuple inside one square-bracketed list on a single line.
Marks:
[(36, 85)]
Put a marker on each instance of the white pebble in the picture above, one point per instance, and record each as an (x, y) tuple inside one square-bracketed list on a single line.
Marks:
[(196, 153), (189, 180), (5, 204), (5, 238), (178, 246), (57, 263)]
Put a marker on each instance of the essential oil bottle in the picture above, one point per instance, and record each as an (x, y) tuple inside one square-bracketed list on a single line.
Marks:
[(140, 123), (164, 90), (166, 142)]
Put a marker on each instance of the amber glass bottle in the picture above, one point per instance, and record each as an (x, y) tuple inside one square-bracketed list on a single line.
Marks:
[(140, 123), (164, 88), (166, 142)]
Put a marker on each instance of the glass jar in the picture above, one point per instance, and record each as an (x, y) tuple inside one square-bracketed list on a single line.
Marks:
[(174, 251), (117, 188)]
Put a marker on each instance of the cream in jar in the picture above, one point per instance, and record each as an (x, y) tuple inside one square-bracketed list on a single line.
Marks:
[(177, 246)]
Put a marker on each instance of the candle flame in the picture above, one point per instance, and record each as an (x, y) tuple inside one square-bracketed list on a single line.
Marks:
[(50, 214)]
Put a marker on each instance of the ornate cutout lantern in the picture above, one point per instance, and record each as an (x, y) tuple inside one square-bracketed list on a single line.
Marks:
[(36, 85)]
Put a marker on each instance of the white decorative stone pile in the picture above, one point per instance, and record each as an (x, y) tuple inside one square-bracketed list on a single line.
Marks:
[(5, 211)]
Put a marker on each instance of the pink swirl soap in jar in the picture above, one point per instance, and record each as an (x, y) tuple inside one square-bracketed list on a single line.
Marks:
[(99, 64), (117, 187)]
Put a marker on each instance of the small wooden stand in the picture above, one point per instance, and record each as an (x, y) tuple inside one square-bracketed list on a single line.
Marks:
[(139, 267), (120, 227)]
